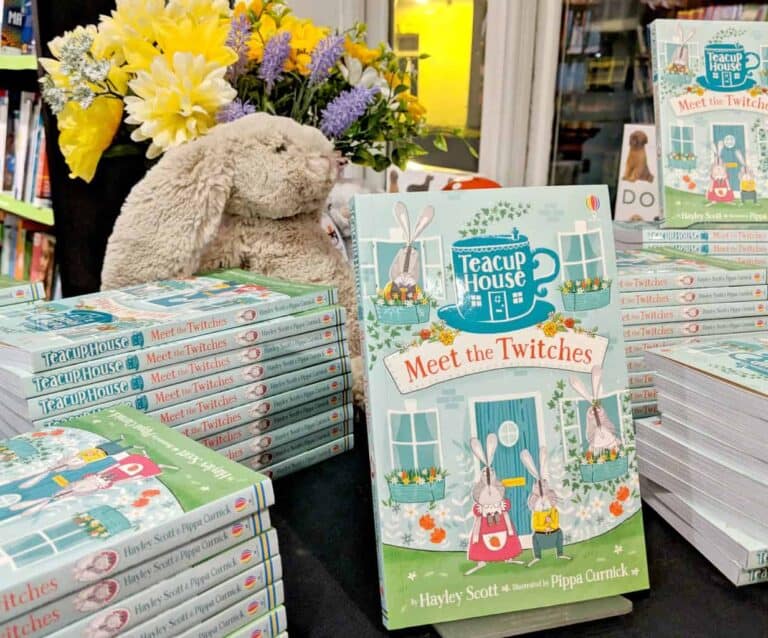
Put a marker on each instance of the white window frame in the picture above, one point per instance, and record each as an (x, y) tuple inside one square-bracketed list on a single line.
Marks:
[(577, 425), (414, 444), (583, 261), (694, 57), (680, 139)]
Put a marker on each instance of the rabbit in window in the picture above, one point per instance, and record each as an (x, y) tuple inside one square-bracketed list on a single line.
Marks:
[(719, 191), (543, 501), (601, 432), (493, 537), (680, 58), (404, 272)]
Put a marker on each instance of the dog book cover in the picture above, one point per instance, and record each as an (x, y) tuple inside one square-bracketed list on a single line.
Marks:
[(710, 101), (102, 494), (499, 419)]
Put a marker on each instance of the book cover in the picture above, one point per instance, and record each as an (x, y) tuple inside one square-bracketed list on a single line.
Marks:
[(271, 626), (637, 196), (16, 292), (710, 100), (667, 269), (13, 23), (499, 420), (103, 494), (12, 125), (229, 622), (8, 254), (310, 457), (259, 342), (687, 297), (706, 328), (203, 562), (704, 235), (664, 314), (723, 250), (68, 331)]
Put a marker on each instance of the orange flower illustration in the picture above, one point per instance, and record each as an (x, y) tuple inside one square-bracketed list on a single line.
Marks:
[(616, 508), (622, 494), (427, 522), (437, 535)]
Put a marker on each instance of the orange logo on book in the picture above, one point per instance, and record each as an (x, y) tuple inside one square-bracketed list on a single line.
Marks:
[(334, 385), (330, 351), (240, 504), (250, 582), (335, 416), (19, 293), (332, 367), (237, 529), (319, 299), (256, 633), (334, 400), (328, 334), (253, 607), (246, 555), (326, 318)]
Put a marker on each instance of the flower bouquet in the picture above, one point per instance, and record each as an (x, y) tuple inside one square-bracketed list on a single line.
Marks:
[(585, 294), (402, 307), (607, 465), (416, 486), (157, 73)]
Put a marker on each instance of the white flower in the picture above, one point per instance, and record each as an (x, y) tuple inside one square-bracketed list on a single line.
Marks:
[(393, 480), (584, 513), (410, 511), (418, 480), (380, 302), (353, 72), (618, 549), (442, 513), (597, 504)]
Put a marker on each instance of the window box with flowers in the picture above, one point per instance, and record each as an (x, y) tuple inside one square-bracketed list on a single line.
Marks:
[(402, 307), (585, 294), (683, 161), (608, 465), (678, 75), (417, 486)]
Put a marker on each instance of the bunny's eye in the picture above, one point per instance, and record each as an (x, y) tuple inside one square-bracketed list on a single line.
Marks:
[(280, 148)]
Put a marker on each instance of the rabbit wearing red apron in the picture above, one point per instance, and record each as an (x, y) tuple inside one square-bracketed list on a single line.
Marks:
[(719, 191)]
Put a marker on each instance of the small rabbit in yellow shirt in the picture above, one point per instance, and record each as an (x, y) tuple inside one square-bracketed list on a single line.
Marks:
[(748, 186)]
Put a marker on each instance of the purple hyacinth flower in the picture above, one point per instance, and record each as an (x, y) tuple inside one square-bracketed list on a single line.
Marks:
[(237, 40), (234, 111), (276, 52), (324, 57), (344, 110)]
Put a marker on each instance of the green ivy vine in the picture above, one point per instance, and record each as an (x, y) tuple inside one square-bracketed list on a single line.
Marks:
[(501, 211)]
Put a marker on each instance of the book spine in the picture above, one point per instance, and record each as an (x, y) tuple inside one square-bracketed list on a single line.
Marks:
[(268, 449), (9, 245), (266, 342), (643, 410), (663, 314), (250, 437), (44, 585), (170, 331), (21, 240), (204, 615), (123, 585), (270, 626), (267, 392), (241, 419), (684, 280), (693, 328), (638, 348), (643, 395), (653, 46), (693, 296), (21, 293), (153, 390), (309, 458), (636, 364), (247, 559), (722, 250), (670, 236), (640, 380), (42, 196)]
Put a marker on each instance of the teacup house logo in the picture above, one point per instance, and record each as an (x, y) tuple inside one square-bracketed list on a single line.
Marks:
[(728, 67), (499, 283)]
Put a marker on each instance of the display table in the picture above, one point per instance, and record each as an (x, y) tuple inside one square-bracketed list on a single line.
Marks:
[(324, 520)]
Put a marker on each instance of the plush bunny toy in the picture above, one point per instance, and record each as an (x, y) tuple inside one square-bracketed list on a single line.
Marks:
[(247, 195)]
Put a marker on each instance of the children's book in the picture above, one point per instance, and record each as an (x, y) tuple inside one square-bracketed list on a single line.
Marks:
[(310, 457), (69, 331), (271, 626), (694, 328), (723, 250), (104, 493), (721, 233), (710, 102), (13, 24), (237, 621), (668, 269), (688, 297), (637, 196), (661, 314), (14, 292), (499, 420)]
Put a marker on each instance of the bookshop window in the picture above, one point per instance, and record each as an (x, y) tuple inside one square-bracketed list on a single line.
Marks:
[(582, 255), (415, 440), (612, 406), (442, 45), (681, 139), (376, 263)]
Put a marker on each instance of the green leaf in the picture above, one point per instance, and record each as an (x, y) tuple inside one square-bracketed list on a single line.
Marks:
[(440, 143)]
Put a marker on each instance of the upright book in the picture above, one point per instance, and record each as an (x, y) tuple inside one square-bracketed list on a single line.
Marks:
[(104, 493), (500, 427), (710, 102), (14, 292), (69, 331)]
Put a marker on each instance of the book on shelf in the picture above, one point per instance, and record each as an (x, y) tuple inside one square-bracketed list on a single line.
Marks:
[(709, 93), (492, 347), (13, 291), (17, 28), (27, 251)]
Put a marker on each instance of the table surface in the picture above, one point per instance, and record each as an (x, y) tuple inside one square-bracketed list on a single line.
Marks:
[(324, 520)]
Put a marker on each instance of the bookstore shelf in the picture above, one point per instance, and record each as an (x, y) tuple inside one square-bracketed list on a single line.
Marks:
[(26, 210), (18, 62)]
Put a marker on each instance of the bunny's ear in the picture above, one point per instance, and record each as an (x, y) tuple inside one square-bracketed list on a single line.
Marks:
[(401, 215), (543, 463), (527, 459), (580, 388), (170, 216), (490, 445), (597, 382), (477, 449), (425, 219)]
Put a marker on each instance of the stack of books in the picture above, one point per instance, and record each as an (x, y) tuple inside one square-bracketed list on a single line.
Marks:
[(255, 368), (668, 297), (114, 524), (14, 292), (27, 251), (704, 460), (746, 245)]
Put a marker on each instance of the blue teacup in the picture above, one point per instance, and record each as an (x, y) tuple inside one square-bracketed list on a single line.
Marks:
[(727, 66)]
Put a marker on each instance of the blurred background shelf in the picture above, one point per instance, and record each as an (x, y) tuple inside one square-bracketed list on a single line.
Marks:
[(27, 211), (18, 62)]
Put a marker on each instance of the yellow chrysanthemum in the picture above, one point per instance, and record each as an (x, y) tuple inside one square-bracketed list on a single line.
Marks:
[(128, 32), (359, 51), (84, 134), (198, 10), (176, 101), (186, 35)]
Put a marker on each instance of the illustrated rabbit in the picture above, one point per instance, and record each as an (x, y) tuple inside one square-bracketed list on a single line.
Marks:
[(404, 272), (601, 432), (680, 58), (493, 537), (719, 190), (543, 501), (747, 184)]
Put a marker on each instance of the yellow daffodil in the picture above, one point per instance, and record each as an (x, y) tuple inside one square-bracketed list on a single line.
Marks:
[(360, 51), (84, 134), (415, 108), (176, 101), (128, 32), (304, 38), (198, 10), (186, 35), (262, 32)]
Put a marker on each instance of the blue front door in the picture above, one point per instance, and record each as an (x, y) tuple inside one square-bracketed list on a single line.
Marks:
[(733, 150), (514, 422)]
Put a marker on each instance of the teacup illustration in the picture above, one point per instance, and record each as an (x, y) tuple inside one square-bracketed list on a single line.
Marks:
[(728, 67), (496, 283)]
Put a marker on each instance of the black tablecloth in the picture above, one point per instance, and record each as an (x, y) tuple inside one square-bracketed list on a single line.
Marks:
[(324, 521)]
